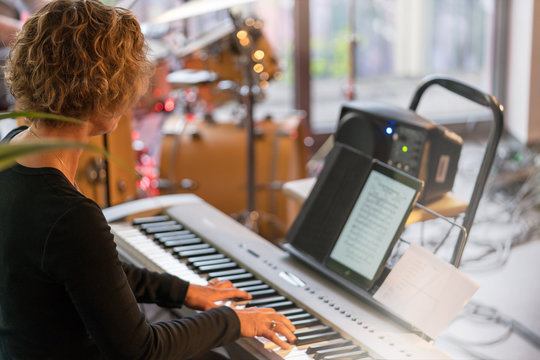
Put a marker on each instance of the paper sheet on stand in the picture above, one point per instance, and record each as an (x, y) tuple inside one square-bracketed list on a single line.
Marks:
[(425, 291)]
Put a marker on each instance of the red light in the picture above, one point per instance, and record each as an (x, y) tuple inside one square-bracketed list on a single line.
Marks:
[(158, 107), (169, 104), (135, 135)]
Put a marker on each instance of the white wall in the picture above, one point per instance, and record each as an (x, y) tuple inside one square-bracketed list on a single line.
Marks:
[(522, 108), (534, 98)]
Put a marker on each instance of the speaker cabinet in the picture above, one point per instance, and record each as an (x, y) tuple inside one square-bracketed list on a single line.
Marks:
[(405, 140)]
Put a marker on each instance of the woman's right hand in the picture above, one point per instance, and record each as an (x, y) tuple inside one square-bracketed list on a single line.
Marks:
[(266, 323)]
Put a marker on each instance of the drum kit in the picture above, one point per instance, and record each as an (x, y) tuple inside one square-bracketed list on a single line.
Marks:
[(232, 63)]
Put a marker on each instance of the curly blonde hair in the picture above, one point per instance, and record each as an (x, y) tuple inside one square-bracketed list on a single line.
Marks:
[(78, 58)]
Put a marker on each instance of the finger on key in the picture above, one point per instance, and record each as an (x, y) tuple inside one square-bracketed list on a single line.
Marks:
[(286, 322), (281, 325), (274, 337), (235, 293)]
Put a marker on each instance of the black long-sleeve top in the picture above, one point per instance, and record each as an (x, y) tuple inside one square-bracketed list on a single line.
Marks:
[(64, 293)]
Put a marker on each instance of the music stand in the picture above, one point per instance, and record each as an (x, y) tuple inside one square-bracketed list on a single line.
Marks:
[(483, 99)]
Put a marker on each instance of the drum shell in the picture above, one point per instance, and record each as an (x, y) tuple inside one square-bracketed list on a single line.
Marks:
[(213, 159)]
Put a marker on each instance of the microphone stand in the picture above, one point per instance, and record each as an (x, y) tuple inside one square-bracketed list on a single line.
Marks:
[(251, 216), (248, 92)]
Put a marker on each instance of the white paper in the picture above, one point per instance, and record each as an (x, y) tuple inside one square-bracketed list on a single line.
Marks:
[(425, 291)]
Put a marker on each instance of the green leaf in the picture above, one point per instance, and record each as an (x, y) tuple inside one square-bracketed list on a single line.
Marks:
[(35, 114), (10, 152)]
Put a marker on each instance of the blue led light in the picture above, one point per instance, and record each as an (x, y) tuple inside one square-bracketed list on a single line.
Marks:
[(389, 130)]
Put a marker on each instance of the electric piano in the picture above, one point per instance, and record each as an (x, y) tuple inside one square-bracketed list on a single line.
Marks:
[(187, 237)]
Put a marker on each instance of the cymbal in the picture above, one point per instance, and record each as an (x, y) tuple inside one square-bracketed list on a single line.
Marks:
[(195, 8), (189, 77)]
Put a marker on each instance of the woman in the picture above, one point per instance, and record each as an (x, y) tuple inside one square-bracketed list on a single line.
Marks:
[(64, 294)]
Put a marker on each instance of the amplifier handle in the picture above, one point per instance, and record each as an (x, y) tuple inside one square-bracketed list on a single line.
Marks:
[(483, 99)]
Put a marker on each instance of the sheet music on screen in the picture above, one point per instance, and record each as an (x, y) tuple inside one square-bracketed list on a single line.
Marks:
[(372, 224)]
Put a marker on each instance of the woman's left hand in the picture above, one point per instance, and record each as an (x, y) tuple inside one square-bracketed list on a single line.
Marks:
[(204, 297)]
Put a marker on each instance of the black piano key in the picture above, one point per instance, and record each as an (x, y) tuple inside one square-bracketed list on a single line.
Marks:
[(210, 268), (236, 277), (178, 249), (186, 236), (358, 354), (305, 322), (331, 344), (173, 243), (150, 219), (162, 229), (243, 284), (299, 316), (162, 238), (310, 339), (254, 287), (171, 234), (160, 223), (336, 350), (291, 311), (219, 274), (261, 293), (190, 253), (211, 262), (195, 259), (264, 301), (279, 305), (311, 331)]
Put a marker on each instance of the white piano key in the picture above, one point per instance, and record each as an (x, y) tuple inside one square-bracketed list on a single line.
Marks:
[(160, 259), (293, 354), (298, 352)]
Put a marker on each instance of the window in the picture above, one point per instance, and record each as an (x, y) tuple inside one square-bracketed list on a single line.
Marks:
[(393, 44)]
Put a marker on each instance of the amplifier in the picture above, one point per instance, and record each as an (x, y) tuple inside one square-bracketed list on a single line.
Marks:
[(405, 140)]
